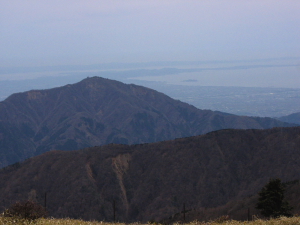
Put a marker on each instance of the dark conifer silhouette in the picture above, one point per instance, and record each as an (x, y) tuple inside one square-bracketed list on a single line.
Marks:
[(271, 202)]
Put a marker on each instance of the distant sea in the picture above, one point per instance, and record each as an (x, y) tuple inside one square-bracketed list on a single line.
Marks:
[(277, 72)]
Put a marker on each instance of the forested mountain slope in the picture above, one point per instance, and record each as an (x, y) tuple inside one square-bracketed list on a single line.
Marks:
[(152, 181), (99, 111)]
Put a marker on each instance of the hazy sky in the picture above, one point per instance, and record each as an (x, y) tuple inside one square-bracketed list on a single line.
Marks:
[(59, 32)]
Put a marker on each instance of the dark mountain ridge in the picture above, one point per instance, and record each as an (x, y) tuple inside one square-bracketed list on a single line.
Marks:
[(292, 118), (152, 181), (98, 111)]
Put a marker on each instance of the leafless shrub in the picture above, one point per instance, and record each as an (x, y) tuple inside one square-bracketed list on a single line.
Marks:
[(28, 210)]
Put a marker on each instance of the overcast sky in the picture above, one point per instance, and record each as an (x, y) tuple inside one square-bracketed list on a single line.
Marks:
[(60, 32)]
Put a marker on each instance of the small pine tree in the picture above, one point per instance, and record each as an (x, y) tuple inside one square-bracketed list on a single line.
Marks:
[(271, 202)]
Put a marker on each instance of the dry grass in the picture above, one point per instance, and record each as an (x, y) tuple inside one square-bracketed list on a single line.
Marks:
[(280, 221)]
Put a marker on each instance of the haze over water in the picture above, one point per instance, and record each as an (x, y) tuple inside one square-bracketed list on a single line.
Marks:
[(37, 36)]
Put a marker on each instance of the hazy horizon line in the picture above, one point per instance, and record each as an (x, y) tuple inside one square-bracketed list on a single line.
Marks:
[(141, 65)]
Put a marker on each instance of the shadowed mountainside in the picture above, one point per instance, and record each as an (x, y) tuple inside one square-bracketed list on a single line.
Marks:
[(152, 181), (99, 111), (241, 209)]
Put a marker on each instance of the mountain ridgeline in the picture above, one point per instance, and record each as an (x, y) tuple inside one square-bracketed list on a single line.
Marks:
[(98, 111), (292, 118), (153, 181)]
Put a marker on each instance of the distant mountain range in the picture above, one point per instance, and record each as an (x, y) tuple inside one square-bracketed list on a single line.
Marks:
[(153, 181), (98, 111), (292, 118)]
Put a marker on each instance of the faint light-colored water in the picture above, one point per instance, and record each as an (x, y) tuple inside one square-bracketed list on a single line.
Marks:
[(288, 77)]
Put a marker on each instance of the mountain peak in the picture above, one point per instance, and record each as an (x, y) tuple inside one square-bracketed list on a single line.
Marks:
[(98, 111)]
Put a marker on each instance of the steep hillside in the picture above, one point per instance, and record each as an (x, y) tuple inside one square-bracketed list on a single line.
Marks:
[(99, 111), (152, 181)]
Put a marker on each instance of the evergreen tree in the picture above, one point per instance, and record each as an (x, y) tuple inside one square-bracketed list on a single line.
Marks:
[(271, 202)]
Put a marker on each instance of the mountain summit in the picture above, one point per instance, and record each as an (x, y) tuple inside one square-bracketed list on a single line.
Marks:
[(99, 111)]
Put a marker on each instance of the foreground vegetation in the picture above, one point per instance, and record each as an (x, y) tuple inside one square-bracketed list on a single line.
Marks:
[(278, 221)]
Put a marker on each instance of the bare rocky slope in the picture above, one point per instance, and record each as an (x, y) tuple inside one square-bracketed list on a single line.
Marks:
[(98, 111), (153, 181)]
